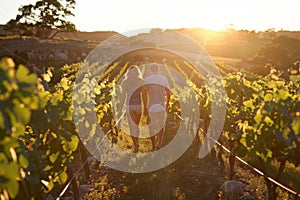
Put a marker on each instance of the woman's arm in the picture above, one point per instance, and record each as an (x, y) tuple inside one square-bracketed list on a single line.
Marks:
[(122, 101), (145, 100), (167, 91)]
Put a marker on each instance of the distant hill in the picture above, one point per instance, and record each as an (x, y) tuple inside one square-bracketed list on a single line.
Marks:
[(68, 47), (95, 36), (65, 48), (2, 32), (293, 34)]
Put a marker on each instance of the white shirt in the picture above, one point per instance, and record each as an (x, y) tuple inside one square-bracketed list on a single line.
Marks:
[(156, 85)]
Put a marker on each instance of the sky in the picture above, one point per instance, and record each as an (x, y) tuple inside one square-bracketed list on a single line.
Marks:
[(123, 16)]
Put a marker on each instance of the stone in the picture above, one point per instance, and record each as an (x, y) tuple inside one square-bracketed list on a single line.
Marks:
[(233, 189)]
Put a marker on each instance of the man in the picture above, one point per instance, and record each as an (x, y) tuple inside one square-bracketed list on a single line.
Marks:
[(158, 90)]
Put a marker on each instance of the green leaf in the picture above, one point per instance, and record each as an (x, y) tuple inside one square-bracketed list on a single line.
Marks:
[(23, 75), (23, 161), (57, 97), (283, 94), (258, 117), (7, 63), (268, 121), (27, 100), (249, 104), (81, 111), (73, 143), (34, 104), (86, 124), (1, 120), (295, 78), (272, 84), (296, 125), (13, 188), (243, 141), (62, 177), (22, 112), (11, 173), (64, 83), (53, 157), (18, 129), (275, 77), (268, 97), (47, 77), (269, 154)]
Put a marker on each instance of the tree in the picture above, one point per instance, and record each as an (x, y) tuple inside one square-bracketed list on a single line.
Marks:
[(43, 19), (281, 52)]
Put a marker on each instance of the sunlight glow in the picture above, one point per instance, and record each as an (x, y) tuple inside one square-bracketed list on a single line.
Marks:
[(122, 16)]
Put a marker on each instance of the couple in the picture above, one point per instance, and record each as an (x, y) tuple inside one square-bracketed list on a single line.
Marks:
[(153, 96)]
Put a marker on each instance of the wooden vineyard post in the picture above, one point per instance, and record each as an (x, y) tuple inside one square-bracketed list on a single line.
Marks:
[(231, 160), (83, 156), (74, 184)]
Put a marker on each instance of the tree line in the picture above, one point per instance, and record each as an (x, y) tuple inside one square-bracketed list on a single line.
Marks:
[(43, 19)]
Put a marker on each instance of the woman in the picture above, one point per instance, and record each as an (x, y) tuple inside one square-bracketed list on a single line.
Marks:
[(134, 94)]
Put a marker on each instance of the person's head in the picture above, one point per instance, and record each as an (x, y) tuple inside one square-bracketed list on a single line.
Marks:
[(133, 72), (154, 68)]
